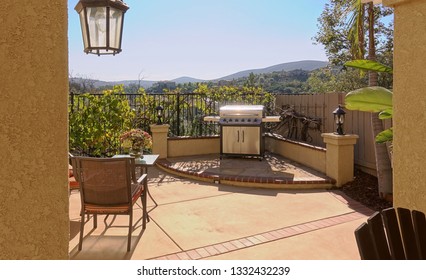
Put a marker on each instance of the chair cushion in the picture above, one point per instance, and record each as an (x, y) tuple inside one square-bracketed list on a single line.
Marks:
[(73, 184), (116, 209), (70, 171)]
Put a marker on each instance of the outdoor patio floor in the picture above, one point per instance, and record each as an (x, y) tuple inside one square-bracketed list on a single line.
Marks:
[(203, 220)]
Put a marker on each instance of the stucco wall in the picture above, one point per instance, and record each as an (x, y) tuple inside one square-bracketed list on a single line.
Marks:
[(34, 220), (409, 163), (178, 147), (314, 157)]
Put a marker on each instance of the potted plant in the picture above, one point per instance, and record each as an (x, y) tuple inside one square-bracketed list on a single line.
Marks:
[(136, 141)]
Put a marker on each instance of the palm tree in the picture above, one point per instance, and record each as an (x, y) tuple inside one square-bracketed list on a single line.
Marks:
[(356, 37)]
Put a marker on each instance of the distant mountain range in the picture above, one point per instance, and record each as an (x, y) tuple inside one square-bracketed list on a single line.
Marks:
[(307, 65)]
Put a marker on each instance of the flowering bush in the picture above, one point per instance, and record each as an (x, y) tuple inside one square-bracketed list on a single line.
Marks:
[(136, 139)]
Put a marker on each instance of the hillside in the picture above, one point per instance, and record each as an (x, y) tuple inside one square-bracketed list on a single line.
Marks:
[(306, 65)]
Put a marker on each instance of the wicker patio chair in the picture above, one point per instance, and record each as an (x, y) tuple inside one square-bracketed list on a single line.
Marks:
[(108, 186), (398, 234)]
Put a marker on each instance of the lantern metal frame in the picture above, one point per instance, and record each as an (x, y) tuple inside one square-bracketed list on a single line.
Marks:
[(339, 118), (82, 8)]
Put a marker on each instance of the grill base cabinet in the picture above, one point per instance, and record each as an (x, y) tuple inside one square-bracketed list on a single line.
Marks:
[(241, 141), (241, 129)]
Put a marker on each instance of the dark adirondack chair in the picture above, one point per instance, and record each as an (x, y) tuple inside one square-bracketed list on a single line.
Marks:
[(393, 234)]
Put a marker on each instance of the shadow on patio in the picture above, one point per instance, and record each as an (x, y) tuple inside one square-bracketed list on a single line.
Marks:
[(202, 220)]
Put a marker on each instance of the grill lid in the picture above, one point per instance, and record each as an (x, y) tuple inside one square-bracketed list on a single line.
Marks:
[(242, 111), (241, 114)]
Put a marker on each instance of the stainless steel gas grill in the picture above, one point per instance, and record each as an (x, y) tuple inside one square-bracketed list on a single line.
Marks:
[(241, 129)]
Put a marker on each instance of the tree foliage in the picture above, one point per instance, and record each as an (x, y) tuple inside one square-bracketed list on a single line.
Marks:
[(335, 31), (340, 32), (96, 122), (329, 79)]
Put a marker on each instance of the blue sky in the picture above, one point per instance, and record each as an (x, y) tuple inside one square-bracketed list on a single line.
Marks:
[(205, 39)]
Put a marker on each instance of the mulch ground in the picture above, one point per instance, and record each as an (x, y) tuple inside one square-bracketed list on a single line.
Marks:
[(364, 189)]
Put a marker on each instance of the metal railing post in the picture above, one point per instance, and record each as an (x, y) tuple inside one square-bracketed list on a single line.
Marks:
[(178, 114)]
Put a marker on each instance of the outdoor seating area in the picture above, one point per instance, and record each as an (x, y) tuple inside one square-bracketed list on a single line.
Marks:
[(196, 219)]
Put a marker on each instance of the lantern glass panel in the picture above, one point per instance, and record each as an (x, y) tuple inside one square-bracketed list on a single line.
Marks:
[(83, 28), (115, 21), (97, 26)]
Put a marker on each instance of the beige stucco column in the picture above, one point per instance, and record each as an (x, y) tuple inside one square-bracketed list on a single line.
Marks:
[(340, 157), (409, 102), (159, 139), (34, 219)]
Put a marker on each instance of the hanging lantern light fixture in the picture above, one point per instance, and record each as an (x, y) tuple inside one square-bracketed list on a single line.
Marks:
[(101, 25)]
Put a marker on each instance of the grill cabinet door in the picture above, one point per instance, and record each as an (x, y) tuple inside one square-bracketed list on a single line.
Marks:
[(250, 140), (231, 138)]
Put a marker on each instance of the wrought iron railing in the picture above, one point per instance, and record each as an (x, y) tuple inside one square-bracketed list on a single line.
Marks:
[(183, 112)]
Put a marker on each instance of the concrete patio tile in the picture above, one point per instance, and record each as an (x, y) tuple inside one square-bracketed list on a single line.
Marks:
[(219, 218), (154, 242), (109, 239), (199, 220), (171, 191)]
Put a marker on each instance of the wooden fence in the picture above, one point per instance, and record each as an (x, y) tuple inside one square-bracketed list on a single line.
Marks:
[(321, 106)]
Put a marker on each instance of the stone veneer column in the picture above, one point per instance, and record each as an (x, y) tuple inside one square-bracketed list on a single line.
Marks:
[(340, 157), (159, 139)]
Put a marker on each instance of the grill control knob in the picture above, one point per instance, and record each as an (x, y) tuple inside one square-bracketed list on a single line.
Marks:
[(249, 120), (243, 120)]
